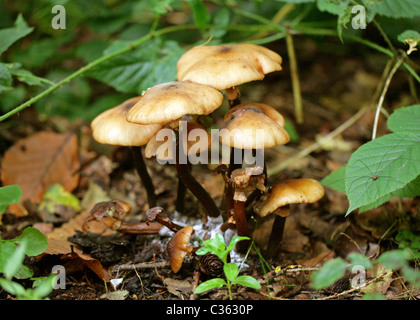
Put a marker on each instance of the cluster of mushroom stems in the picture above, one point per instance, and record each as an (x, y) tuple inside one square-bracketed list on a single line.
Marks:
[(204, 73)]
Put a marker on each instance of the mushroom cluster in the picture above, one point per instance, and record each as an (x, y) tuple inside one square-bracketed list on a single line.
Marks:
[(166, 116)]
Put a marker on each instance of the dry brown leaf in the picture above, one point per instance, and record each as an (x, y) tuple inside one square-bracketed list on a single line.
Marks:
[(43, 159)]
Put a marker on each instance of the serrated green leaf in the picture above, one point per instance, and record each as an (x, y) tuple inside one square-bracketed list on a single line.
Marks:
[(12, 287), (395, 259), (336, 180), (380, 167), (247, 281), (396, 8), (234, 241), (210, 284), (9, 36), (8, 195), (330, 272), (141, 68), (231, 271), (405, 119)]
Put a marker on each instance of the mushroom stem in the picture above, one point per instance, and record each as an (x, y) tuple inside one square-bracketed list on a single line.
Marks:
[(153, 214), (229, 193), (233, 94), (139, 228), (194, 186), (277, 230), (144, 175), (181, 191), (241, 225)]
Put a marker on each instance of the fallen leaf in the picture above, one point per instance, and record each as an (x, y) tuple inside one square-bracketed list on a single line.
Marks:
[(177, 287), (43, 159), (115, 295)]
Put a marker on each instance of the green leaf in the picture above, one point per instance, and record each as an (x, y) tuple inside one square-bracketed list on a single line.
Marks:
[(395, 259), (336, 180), (231, 271), (210, 284), (44, 285), (27, 76), (358, 259), (247, 281), (57, 195), (380, 167), (411, 38), (396, 8), (373, 296), (9, 36), (36, 243), (234, 241), (15, 260), (405, 120), (330, 272), (7, 248), (5, 78), (201, 16), (12, 287), (141, 68), (8, 195)]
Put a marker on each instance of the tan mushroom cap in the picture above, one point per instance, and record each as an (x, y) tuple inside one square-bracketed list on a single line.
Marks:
[(226, 66), (112, 127), (196, 131), (254, 126), (178, 247), (288, 192), (170, 101)]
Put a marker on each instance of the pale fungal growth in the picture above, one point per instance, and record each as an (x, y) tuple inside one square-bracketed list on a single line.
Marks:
[(170, 101), (111, 127), (278, 202)]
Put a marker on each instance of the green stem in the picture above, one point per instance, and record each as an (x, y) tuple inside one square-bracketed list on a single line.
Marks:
[(93, 64)]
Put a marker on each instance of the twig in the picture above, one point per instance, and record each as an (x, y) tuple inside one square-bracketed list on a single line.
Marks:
[(142, 265), (297, 95), (382, 97), (319, 143), (347, 292)]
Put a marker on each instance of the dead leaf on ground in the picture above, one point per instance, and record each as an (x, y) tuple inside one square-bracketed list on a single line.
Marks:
[(43, 159)]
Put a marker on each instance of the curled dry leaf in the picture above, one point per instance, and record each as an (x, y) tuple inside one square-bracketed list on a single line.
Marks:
[(43, 159)]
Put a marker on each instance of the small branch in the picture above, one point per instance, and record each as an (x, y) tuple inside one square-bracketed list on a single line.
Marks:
[(142, 265), (382, 97)]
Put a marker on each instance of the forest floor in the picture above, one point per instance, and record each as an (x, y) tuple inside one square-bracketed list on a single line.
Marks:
[(334, 88)]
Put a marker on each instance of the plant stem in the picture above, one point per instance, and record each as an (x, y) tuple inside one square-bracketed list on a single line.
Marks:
[(319, 143), (241, 225), (297, 95), (93, 64), (382, 97), (144, 175)]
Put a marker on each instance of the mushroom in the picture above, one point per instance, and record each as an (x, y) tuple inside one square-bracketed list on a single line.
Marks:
[(244, 181), (251, 126), (170, 101), (110, 213), (224, 67), (278, 201), (180, 135), (154, 214), (111, 127), (178, 247)]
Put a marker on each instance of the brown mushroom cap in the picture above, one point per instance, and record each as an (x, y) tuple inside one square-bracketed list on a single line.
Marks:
[(245, 122), (112, 127), (190, 146), (178, 247), (226, 66), (170, 101), (288, 192)]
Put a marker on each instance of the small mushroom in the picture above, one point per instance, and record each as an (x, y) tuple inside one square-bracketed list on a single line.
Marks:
[(110, 213), (178, 247), (251, 126), (224, 67), (278, 202), (111, 127), (170, 101), (154, 214), (244, 181)]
